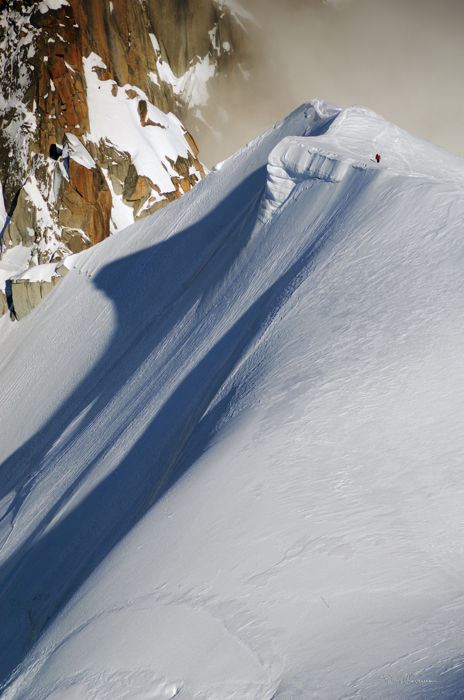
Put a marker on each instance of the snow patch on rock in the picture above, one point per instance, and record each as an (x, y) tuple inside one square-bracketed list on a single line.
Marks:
[(47, 5), (115, 117), (78, 152), (31, 286), (192, 84)]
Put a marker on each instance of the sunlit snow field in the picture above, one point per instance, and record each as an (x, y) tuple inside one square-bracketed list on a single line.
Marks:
[(232, 436)]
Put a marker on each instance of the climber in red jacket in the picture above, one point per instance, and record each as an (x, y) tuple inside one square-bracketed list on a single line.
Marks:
[(377, 157)]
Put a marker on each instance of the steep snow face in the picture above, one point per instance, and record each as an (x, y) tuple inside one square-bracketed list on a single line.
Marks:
[(238, 474)]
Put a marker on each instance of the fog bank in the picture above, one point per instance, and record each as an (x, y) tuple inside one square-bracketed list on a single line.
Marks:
[(401, 58)]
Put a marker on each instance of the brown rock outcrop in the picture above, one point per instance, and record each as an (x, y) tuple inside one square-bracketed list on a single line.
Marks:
[(26, 294), (85, 205)]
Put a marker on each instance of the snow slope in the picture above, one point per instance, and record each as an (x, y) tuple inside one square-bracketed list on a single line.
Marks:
[(238, 471)]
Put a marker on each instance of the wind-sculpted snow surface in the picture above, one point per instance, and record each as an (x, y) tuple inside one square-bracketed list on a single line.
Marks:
[(290, 163), (237, 474)]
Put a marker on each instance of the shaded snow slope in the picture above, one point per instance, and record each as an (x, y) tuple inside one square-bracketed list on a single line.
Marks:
[(238, 472)]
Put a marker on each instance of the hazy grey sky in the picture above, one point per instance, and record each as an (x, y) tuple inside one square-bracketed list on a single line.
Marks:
[(402, 58)]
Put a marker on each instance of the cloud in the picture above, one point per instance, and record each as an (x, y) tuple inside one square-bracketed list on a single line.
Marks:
[(368, 52)]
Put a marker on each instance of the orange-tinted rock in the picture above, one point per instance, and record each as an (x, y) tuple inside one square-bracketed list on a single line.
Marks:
[(182, 165), (85, 204), (60, 94), (190, 140)]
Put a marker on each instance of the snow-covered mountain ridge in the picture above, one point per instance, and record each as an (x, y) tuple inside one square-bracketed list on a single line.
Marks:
[(239, 475)]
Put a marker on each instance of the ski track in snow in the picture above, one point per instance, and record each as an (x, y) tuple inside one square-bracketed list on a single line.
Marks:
[(237, 472)]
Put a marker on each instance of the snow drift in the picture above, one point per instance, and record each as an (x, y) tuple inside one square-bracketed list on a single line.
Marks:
[(238, 472)]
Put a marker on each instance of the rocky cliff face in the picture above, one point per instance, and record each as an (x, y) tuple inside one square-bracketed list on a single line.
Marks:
[(93, 100)]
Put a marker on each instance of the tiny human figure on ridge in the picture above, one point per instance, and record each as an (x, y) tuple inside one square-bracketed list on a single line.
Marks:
[(377, 157)]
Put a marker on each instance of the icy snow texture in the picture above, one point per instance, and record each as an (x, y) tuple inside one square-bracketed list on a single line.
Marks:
[(238, 473)]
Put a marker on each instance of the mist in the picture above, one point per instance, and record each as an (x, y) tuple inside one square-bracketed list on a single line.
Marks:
[(404, 59)]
